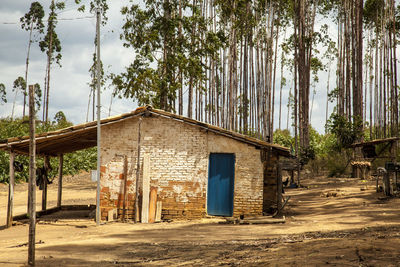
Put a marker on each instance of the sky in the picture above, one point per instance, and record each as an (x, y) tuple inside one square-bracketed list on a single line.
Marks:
[(69, 90)]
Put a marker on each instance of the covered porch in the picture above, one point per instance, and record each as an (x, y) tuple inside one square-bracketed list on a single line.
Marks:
[(48, 145)]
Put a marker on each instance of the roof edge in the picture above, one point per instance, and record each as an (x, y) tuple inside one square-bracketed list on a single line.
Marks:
[(7, 143)]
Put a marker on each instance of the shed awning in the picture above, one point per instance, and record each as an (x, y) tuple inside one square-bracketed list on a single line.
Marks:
[(375, 142)]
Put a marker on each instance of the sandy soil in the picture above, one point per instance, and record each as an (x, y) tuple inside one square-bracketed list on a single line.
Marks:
[(332, 222)]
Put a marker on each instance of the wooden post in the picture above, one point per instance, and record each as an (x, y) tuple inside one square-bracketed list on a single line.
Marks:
[(44, 182), (153, 205), (353, 167), (298, 172), (11, 191), (145, 189), (125, 185), (279, 190), (291, 177), (386, 184), (60, 176), (395, 160), (137, 174), (32, 178), (98, 75)]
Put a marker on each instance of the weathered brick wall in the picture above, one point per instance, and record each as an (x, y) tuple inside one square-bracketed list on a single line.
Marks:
[(179, 155), (178, 165), (270, 181)]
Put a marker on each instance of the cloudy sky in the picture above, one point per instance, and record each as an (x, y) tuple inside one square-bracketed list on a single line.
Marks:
[(69, 91)]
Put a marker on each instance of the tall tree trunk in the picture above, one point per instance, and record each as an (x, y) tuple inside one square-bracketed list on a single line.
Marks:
[(232, 70), (166, 54), (27, 67), (273, 82), (180, 75), (394, 74), (49, 58)]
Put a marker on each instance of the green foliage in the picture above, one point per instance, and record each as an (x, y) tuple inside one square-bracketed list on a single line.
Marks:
[(347, 132), (316, 66), (38, 96), (336, 163), (20, 85), (73, 162), (372, 12), (321, 155), (33, 20), (167, 46), (53, 48), (3, 93), (283, 138), (333, 94), (80, 160), (102, 4)]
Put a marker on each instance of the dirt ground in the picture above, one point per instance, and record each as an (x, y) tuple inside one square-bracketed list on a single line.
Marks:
[(329, 222)]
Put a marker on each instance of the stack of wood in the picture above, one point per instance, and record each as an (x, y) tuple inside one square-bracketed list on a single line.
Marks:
[(361, 169)]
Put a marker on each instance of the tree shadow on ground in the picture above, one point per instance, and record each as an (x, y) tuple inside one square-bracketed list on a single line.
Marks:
[(340, 248)]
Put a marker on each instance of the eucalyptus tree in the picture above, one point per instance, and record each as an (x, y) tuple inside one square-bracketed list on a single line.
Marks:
[(18, 86), (381, 18), (3, 93), (32, 22), (150, 31), (51, 45), (316, 66), (168, 48), (38, 96), (330, 54)]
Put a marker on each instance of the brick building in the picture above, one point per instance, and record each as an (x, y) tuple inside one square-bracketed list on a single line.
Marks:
[(196, 168), (191, 168)]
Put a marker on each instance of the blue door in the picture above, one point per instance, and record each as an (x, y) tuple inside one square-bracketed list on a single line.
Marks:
[(221, 173)]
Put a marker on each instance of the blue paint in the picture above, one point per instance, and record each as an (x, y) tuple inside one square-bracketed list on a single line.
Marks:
[(221, 173)]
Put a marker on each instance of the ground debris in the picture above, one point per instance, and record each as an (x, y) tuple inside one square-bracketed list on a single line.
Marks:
[(336, 193), (26, 244)]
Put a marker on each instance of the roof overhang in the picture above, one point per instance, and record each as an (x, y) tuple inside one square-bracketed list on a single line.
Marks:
[(375, 142), (84, 136)]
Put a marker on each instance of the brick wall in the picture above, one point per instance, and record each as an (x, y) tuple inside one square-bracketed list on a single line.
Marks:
[(179, 155), (270, 180)]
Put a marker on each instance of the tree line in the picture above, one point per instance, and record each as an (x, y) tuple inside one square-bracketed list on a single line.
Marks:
[(219, 61), (216, 61)]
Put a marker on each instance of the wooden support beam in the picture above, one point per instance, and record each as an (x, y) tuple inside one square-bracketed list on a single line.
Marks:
[(386, 184), (145, 188), (44, 182), (298, 172), (137, 174), (32, 178), (11, 191), (60, 177), (279, 190), (125, 186), (153, 205)]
